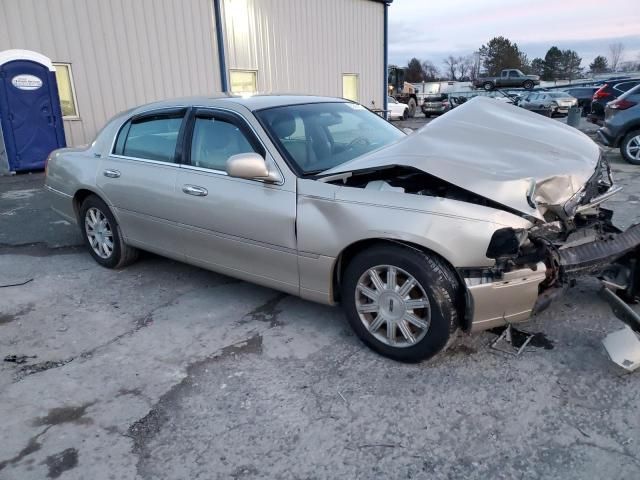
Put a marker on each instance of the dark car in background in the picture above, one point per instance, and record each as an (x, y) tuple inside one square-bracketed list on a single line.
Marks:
[(438, 104), (607, 93), (584, 96), (622, 125)]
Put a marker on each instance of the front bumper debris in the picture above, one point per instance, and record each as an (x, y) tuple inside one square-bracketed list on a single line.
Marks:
[(594, 257), (623, 346)]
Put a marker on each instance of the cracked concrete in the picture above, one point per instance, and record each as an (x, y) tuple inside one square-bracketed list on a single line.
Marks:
[(164, 371)]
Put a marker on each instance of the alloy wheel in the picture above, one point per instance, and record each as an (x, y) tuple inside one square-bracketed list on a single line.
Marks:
[(393, 306), (633, 148), (99, 232)]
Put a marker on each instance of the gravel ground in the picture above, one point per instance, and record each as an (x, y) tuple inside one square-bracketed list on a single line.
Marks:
[(166, 371)]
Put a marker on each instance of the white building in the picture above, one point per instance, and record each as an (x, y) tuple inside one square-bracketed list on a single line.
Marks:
[(111, 55)]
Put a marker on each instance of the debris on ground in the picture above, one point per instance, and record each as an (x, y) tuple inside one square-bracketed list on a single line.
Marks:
[(518, 340), (18, 359)]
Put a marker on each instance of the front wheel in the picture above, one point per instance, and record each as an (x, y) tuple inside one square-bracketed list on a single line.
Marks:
[(528, 85), (405, 114), (488, 86), (102, 235), (630, 147), (401, 302)]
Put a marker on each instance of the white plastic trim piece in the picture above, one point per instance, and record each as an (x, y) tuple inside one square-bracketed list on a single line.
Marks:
[(7, 56)]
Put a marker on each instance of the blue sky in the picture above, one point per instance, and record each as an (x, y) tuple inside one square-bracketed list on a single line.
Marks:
[(432, 29)]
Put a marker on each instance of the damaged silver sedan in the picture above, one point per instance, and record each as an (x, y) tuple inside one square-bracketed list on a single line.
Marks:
[(477, 220)]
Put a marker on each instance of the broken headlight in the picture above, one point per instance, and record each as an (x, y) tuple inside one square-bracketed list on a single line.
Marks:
[(506, 242)]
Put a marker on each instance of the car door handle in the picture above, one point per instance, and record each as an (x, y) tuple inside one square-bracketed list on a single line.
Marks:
[(195, 190), (111, 173)]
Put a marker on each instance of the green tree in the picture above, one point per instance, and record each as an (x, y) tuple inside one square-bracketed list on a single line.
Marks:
[(552, 62), (537, 66), (599, 64), (570, 64), (414, 72), (499, 54)]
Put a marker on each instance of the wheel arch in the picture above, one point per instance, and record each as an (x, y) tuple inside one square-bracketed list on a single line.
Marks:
[(82, 193), (348, 253)]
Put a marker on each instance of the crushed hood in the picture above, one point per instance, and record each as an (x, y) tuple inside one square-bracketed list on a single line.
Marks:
[(495, 150)]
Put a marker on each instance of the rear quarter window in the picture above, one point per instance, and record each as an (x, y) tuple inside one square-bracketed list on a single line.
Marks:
[(150, 137)]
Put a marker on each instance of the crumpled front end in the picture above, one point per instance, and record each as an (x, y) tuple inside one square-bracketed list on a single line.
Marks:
[(577, 239), (560, 197)]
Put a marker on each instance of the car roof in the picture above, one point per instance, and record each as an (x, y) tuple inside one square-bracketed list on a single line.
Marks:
[(253, 102)]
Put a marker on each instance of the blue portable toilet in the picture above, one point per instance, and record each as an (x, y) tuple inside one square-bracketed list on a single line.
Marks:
[(30, 117)]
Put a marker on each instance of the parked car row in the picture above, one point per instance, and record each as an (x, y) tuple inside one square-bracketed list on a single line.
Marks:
[(552, 103), (607, 93), (621, 127)]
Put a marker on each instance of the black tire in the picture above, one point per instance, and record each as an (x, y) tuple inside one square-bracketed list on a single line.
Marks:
[(624, 146), (528, 85), (122, 254), (488, 86), (405, 114), (436, 279)]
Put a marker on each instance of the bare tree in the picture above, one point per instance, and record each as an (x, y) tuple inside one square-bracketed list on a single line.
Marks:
[(476, 64), (451, 66), (465, 65), (431, 72), (616, 52)]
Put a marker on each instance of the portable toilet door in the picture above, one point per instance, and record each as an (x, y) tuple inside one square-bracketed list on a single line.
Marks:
[(30, 112)]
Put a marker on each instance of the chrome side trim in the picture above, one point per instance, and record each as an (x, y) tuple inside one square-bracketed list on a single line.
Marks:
[(144, 160), (236, 238), (58, 192)]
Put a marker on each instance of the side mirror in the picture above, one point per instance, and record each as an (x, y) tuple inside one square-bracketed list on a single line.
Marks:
[(251, 166)]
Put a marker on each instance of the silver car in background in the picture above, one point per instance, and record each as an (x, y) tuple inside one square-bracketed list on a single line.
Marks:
[(474, 221), (555, 102)]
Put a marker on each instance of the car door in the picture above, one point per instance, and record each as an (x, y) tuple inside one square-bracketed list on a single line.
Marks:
[(514, 79), (245, 228), (138, 179)]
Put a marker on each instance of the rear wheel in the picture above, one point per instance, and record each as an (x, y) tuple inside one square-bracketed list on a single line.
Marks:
[(528, 85), (401, 302), (630, 147), (102, 235), (488, 86)]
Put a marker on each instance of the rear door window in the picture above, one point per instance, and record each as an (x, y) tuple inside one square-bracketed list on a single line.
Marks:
[(626, 86), (150, 137)]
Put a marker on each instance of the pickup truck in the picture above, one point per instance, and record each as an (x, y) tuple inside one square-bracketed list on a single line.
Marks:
[(511, 78)]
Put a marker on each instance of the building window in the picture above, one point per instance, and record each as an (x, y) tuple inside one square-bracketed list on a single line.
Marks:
[(350, 86), (243, 81), (66, 90)]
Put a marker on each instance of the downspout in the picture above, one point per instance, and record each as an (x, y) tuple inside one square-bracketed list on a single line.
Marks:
[(385, 103), (220, 42)]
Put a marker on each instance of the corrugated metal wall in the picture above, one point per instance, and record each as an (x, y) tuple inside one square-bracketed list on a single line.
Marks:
[(129, 52), (306, 45), (123, 52)]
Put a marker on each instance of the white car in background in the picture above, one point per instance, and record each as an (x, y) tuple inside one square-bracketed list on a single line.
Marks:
[(397, 110)]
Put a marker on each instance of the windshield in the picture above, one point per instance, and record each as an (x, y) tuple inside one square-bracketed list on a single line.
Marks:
[(318, 136), (558, 94)]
